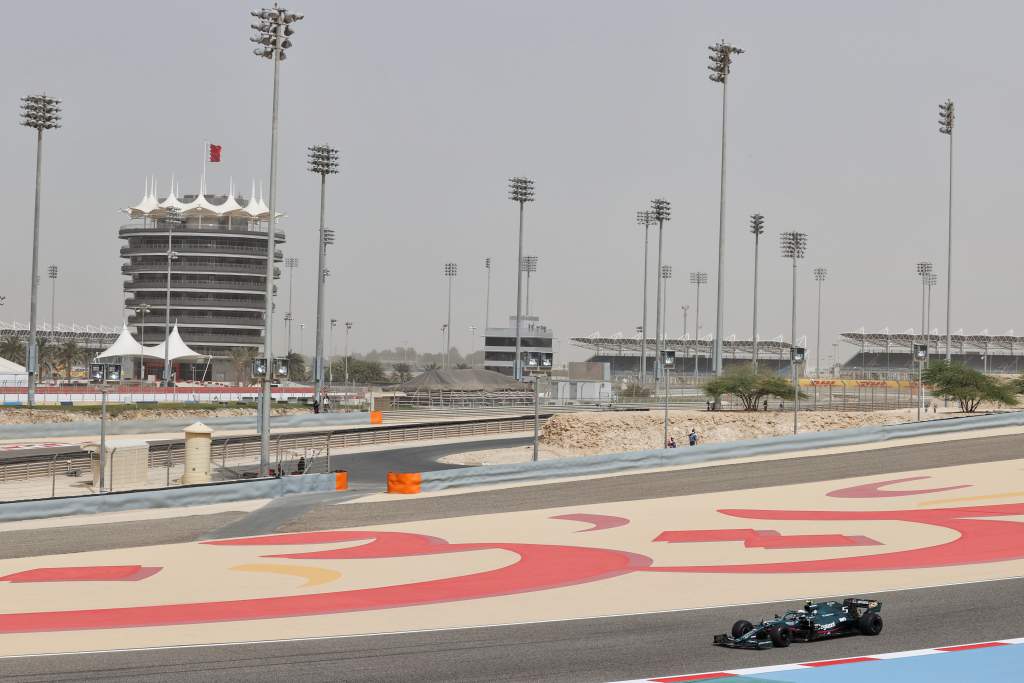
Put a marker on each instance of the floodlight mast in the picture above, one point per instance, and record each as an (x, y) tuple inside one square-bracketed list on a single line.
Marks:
[(756, 229), (924, 270), (661, 211), (42, 113), (171, 219), (666, 274), (794, 246), (450, 271), (291, 263), (528, 265), (819, 276), (720, 68), (947, 115), (645, 219), (52, 272), (520, 190), (275, 26), (323, 161), (698, 278)]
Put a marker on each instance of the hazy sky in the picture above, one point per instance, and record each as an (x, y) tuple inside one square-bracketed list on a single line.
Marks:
[(832, 131)]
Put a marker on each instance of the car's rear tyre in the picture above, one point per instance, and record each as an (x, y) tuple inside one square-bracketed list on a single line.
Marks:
[(781, 637), (870, 624), (741, 627)]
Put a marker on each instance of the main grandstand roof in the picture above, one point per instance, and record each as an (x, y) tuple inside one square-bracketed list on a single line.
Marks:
[(982, 341), (731, 345)]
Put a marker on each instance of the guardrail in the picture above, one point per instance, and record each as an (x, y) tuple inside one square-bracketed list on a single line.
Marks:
[(168, 453)]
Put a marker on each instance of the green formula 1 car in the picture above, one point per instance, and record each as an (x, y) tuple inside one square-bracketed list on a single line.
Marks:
[(815, 621)]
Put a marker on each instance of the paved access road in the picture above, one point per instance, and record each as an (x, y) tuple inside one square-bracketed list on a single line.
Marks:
[(609, 649)]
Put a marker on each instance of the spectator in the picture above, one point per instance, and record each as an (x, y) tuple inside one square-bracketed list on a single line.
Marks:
[(693, 437), (782, 405), (301, 465), (316, 406), (671, 442), (766, 405)]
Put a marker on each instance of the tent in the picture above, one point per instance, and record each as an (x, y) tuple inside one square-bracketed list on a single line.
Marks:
[(124, 345), (179, 350), (12, 374)]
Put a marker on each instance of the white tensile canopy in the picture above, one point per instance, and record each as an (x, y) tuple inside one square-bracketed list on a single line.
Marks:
[(179, 350), (12, 374), (124, 345)]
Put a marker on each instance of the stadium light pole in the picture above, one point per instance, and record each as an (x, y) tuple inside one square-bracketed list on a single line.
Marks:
[(720, 67), (348, 328), (932, 280), (40, 112), (171, 218), (666, 275), (273, 32), (819, 276), (330, 364), (947, 115), (645, 219), (450, 271), (528, 265), (323, 161), (52, 272), (924, 269), (487, 300), (661, 210), (291, 263), (698, 279), (142, 309), (520, 190), (794, 246), (756, 229)]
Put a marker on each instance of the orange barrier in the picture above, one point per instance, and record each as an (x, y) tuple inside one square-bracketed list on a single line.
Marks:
[(340, 480), (376, 417), (404, 482)]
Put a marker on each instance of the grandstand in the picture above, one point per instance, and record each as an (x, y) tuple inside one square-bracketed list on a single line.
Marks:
[(92, 338), (885, 355), (623, 353)]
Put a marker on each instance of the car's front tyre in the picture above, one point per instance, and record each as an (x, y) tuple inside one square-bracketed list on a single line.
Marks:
[(741, 627)]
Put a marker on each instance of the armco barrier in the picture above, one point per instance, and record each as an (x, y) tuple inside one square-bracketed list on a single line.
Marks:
[(183, 496), (115, 427), (618, 462)]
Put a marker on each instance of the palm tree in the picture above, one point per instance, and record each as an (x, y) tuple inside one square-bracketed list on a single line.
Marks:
[(241, 359), (47, 357), (67, 355), (13, 349), (297, 370)]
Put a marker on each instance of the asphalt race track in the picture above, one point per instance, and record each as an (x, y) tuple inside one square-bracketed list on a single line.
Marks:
[(602, 649), (610, 649)]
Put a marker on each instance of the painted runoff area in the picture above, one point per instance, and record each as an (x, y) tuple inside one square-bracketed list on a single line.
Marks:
[(992, 661), (854, 536)]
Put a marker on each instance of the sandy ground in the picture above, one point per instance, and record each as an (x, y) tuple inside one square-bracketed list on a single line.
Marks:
[(578, 434)]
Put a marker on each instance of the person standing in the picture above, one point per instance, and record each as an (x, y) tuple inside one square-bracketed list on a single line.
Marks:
[(693, 437)]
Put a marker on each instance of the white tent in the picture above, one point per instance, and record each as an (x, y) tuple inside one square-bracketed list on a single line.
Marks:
[(179, 350), (12, 374), (125, 345)]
